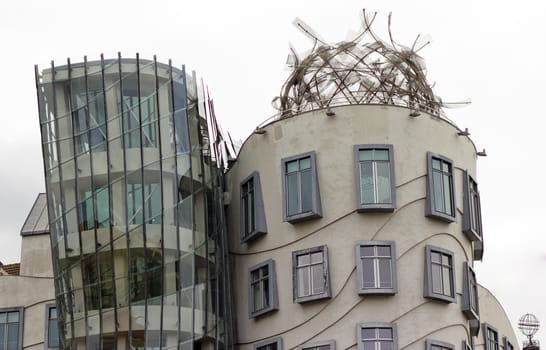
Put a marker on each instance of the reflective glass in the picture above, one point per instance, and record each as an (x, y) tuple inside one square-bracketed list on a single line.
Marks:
[(381, 154), (367, 251), (303, 282), (368, 274), (366, 183), (292, 166), (13, 316), (383, 182), (385, 345), (306, 192), (438, 191), (318, 278), (436, 257), (365, 155), (3, 317), (369, 345), (368, 333), (446, 274), (436, 164), (292, 196), (305, 163), (2, 336), (385, 273), (303, 259), (447, 194), (316, 257), (13, 336), (437, 279), (385, 333), (383, 250)]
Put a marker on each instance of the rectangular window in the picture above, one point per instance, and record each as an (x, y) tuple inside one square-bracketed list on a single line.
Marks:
[(272, 344), (99, 197), (437, 345), (11, 328), (148, 195), (131, 120), (491, 337), (377, 336), (311, 280), (89, 121), (97, 275), (252, 222), (52, 327), (439, 275), (440, 202), (375, 178), (376, 267), (301, 199), (262, 289), (321, 345), (145, 274), (472, 217), (477, 250), (469, 304)]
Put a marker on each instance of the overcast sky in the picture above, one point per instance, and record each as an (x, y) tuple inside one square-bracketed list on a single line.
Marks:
[(489, 51)]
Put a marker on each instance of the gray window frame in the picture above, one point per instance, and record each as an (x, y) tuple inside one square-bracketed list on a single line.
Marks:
[(48, 307), (258, 212), (374, 207), (330, 343), (21, 323), (272, 292), (486, 327), (429, 343), (430, 207), (316, 209), (507, 344), (326, 274), (360, 270), (277, 341), (428, 291), (470, 291), (477, 250), (392, 326), (471, 209)]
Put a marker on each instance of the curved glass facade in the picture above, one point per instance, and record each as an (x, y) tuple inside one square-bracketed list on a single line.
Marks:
[(135, 208)]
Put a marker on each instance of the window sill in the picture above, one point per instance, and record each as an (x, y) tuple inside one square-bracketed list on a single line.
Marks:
[(375, 208), (377, 291), (252, 236), (441, 216), (303, 300), (294, 219), (441, 297)]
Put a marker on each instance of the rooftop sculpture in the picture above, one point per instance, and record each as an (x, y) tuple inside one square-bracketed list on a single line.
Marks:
[(365, 70)]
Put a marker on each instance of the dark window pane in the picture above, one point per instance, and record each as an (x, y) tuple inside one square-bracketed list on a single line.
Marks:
[(13, 337), (367, 251), (303, 282), (368, 276), (368, 333), (447, 195), (385, 273), (385, 333), (306, 192), (385, 345), (369, 345), (438, 191), (293, 192), (383, 250)]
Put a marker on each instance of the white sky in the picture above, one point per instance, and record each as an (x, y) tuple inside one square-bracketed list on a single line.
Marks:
[(490, 51)]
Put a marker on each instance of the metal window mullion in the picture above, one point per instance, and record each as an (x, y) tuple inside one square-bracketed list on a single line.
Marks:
[(374, 182)]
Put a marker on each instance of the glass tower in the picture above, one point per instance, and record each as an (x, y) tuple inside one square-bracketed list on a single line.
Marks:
[(134, 186)]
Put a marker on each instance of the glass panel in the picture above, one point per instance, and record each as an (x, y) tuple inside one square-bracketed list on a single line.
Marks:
[(305, 163), (13, 336), (265, 292), (316, 257), (436, 279), (303, 259), (2, 337), (256, 293), (318, 278), (366, 183), (385, 345), (436, 164), (292, 195), (3, 317), (383, 250), (381, 154), (306, 192), (447, 194), (369, 345), (446, 167), (436, 257), (13, 316), (103, 208), (385, 333), (367, 251), (292, 166), (368, 333), (385, 273), (447, 280), (303, 281), (52, 313), (365, 154), (438, 191), (446, 260), (53, 332), (383, 182), (368, 276)]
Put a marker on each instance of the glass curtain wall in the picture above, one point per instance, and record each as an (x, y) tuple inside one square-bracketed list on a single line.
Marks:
[(135, 210)]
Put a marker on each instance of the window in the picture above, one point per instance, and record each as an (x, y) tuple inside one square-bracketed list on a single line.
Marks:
[(252, 224), (440, 202), (89, 121), (52, 328), (148, 195), (88, 221), (11, 328), (377, 336), (437, 345), (145, 274), (491, 337), (507, 344), (472, 217), (262, 288), (375, 178), (272, 344), (300, 188), (439, 278), (97, 275), (376, 267), (321, 345), (469, 304), (311, 280), (131, 120)]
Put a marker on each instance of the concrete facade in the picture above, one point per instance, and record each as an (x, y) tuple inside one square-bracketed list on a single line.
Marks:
[(341, 226)]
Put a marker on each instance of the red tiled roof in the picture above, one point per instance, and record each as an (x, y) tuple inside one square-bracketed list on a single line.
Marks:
[(12, 269)]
